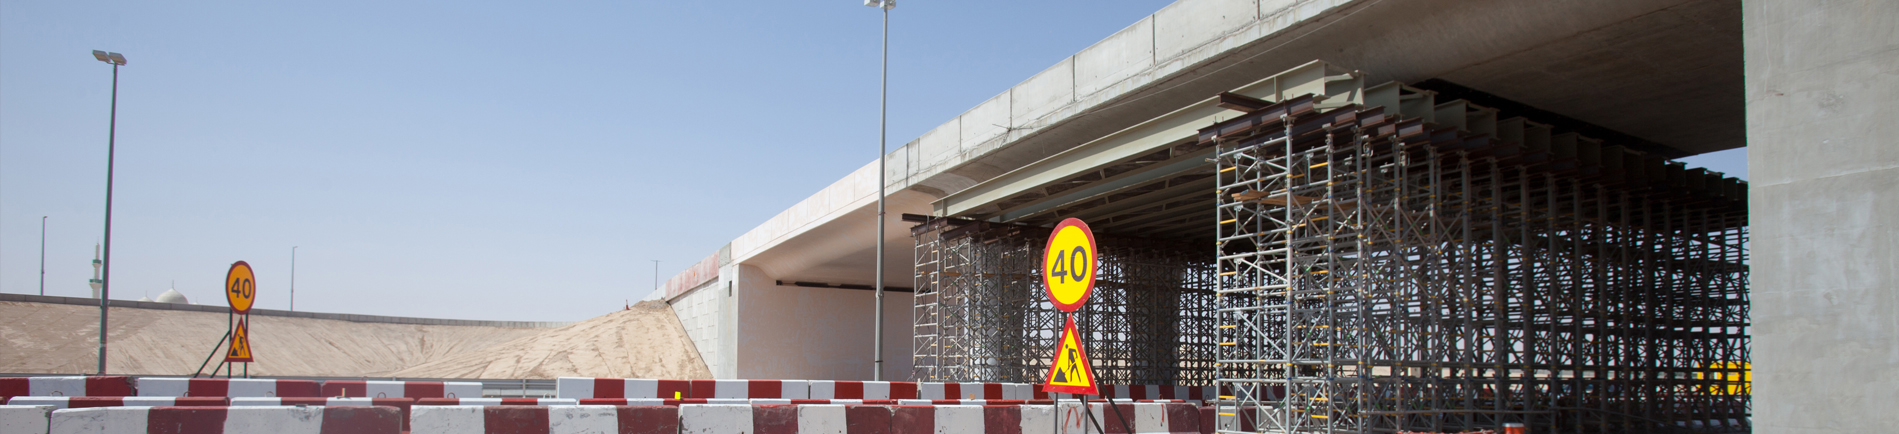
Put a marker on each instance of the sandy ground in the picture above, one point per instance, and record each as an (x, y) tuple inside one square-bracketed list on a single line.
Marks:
[(645, 342)]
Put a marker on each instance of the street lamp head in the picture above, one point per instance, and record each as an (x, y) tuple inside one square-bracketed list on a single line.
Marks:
[(112, 58), (885, 4)]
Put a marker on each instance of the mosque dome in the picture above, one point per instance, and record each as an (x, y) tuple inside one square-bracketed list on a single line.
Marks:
[(144, 299), (172, 296)]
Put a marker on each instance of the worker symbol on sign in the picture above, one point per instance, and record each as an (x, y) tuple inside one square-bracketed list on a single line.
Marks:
[(240, 344), (1070, 373)]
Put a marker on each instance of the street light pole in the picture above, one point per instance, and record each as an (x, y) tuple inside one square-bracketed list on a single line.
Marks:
[(883, 133), (112, 131), (42, 255), (293, 279)]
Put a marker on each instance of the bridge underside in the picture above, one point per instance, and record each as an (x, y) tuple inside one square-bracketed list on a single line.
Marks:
[(1494, 242)]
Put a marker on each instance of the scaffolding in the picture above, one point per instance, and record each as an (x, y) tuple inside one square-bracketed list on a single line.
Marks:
[(981, 313), (1383, 261), (1419, 266)]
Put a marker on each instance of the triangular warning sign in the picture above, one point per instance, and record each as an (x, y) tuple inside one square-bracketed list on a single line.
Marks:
[(1071, 372), (240, 343)]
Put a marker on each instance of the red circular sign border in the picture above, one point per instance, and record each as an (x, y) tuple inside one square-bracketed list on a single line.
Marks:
[(1092, 250), (227, 287)]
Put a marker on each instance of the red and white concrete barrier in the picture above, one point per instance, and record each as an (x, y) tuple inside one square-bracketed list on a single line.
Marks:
[(783, 419), (827, 389), (972, 419), (586, 388), (749, 389), (799, 419), (64, 386), (621, 401), (1122, 391), (400, 389), (714, 419), (844, 402), (974, 391), (564, 419), (227, 420), (401, 405), (229, 387), (24, 418), (963, 402), (340, 402), (519, 401), (1142, 418), (63, 402)]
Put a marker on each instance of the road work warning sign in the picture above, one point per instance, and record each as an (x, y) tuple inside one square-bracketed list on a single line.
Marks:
[(1070, 373), (240, 344)]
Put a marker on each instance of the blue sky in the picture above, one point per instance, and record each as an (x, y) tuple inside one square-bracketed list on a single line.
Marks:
[(487, 160)]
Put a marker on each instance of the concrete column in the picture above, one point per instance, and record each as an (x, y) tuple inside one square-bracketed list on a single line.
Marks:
[(1823, 154)]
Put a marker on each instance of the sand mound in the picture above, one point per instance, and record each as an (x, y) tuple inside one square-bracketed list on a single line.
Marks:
[(56, 338), (645, 342)]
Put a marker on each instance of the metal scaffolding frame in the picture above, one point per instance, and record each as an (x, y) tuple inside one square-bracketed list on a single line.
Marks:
[(981, 313), (1384, 261), (1424, 266)]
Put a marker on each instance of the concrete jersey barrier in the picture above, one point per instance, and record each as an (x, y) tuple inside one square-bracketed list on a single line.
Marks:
[(227, 387), (626, 401), (400, 389), (64, 386), (516, 401), (227, 420), (1141, 418), (827, 389), (749, 389), (1137, 392), (24, 418), (522, 419), (974, 391), (401, 405), (588, 388), (62, 402)]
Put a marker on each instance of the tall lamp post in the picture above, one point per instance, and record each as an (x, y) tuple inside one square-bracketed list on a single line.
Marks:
[(293, 280), (883, 111), (42, 255), (112, 131)]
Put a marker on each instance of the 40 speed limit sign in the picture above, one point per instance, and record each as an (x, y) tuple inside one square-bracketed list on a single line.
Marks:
[(1068, 265), (240, 288)]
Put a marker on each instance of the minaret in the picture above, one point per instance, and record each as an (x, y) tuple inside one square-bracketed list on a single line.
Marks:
[(96, 263)]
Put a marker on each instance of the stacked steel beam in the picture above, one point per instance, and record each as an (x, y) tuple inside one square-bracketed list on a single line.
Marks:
[(1397, 263), (981, 313)]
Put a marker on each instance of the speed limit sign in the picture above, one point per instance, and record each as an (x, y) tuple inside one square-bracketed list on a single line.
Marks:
[(1068, 265), (240, 288)]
